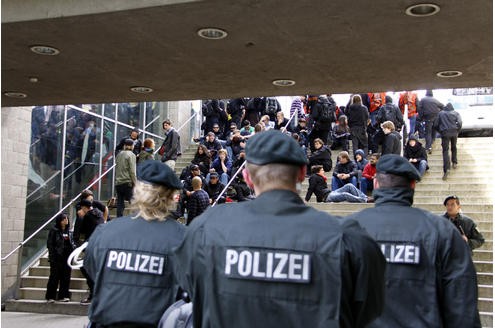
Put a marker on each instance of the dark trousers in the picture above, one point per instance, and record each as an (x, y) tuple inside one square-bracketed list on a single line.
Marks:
[(445, 151), (430, 133), (89, 281), (59, 274), (359, 139), (124, 192)]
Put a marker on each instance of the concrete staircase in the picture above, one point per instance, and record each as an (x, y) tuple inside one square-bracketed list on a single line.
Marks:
[(471, 181)]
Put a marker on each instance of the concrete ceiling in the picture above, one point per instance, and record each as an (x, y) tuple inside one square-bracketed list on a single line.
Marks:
[(106, 47)]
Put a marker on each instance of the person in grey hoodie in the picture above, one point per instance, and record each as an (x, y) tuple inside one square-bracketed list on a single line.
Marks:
[(448, 124), (428, 110)]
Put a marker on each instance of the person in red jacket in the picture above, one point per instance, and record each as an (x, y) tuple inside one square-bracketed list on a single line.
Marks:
[(369, 172), (410, 99)]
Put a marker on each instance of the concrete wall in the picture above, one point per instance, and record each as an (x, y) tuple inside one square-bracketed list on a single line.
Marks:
[(16, 138)]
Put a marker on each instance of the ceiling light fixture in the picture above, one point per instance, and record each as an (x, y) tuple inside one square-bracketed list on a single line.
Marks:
[(449, 74), (422, 10), (141, 89), (283, 83), (44, 50), (33, 79), (15, 94), (212, 33)]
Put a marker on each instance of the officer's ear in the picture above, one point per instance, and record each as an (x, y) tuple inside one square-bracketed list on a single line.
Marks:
[(301, 175), (247, 178)]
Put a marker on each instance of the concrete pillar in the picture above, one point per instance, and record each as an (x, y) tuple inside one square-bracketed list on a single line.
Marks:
[(15, 143)]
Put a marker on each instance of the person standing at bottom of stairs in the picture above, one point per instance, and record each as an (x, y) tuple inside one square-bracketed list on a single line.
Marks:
[(60, 244)]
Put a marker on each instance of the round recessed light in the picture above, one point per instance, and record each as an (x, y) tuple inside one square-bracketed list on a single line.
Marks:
[(422, 10), (141, 89), (448, 74), (212, 33), (44, 50), (33, 79), (283, 83), (15, 94)]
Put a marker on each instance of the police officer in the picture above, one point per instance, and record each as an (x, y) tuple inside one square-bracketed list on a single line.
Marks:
[(129, 258), (275, 262), (430, 279)]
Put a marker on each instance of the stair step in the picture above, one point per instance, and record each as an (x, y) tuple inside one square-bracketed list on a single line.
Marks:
[(38, 293), (45, 271), (429, 207), (40, 306), (485, 304), (486, 319), (41, 282), (485, 291)]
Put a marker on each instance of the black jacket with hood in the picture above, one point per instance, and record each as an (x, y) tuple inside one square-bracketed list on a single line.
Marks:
[(448, 122)]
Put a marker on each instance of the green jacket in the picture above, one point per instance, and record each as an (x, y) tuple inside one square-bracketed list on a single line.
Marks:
[(125, 169)]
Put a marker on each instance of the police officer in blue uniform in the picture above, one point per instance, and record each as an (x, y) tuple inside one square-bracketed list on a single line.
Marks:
[(129, 258), (274, 261), (430, 278)]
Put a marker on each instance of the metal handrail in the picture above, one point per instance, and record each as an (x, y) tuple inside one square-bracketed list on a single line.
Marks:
[(48, 180), (242, 167), (22, 243)]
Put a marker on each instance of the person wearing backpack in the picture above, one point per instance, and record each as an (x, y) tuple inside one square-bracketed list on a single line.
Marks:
[(388, 112), (322, 115)]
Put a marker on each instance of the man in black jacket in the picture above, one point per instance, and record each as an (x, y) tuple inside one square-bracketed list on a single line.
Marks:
[(137, 143), (449, 124), (428, 110), (170, 148), (430, 277), (463, 223)]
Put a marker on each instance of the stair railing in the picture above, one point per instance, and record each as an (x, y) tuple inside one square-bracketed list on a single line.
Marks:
[(243, 165), (22, 243)]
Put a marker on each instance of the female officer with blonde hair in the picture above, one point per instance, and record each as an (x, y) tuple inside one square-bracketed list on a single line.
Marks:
[(129, 258)]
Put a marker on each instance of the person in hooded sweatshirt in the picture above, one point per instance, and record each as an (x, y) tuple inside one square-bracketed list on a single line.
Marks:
[(391, 142), (416, 154), (60, 244), (448, 124)]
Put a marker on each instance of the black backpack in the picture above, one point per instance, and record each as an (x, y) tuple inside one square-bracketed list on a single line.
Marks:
[(390, 114), (326, 112)]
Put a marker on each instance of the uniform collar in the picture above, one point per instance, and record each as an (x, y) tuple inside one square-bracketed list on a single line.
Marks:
[(396, 196)]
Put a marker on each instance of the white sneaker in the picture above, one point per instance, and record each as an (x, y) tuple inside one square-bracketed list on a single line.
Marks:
[(50, 301), (65, 300)]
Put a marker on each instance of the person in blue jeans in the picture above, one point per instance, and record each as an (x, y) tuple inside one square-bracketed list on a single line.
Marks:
[(347, 193), (345, 171)]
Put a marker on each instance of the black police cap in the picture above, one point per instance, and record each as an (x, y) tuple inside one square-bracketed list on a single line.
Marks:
[(129, 142), (158, 173), (273, 146), (397, 165)]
